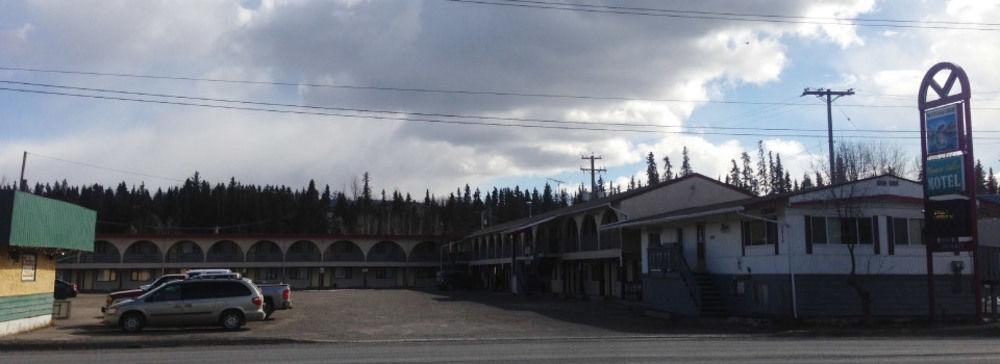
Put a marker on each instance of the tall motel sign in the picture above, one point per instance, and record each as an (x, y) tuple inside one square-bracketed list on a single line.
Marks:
[(949, 176)]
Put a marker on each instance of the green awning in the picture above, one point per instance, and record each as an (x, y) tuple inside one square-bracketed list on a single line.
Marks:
[(33, 221)]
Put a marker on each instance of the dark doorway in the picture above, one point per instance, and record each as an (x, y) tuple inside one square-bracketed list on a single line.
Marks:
[(700, 238)]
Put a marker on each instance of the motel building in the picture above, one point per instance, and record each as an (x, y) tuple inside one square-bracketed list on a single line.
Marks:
[(570, 251), (34, 231), (789, 255), (305, 262)]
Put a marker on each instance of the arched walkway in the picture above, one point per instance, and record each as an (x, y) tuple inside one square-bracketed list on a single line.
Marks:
[(610, 239), (343, 251), (303, 251), (588, 235), (224, 252), (142, 252), (104, 252), (386, 251), (185, 252), (425, 252), (264, 251), (570, 236)]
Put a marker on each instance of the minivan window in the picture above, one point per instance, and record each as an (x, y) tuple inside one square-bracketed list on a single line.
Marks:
[(232, 289), (167, 293), (198, 290)]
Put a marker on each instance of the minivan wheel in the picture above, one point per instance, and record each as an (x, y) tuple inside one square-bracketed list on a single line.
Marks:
[(231, 320), (132, 322)]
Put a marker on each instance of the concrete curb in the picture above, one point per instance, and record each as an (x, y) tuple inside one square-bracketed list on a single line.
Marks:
[(47, 345)]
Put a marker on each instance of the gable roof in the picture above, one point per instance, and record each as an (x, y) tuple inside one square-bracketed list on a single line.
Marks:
[(736, 205), (589, 205)]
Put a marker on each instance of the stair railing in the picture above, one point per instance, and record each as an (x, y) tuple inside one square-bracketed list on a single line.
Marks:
[(680, 265)]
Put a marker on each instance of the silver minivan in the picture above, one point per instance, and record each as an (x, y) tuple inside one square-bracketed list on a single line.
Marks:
[(226, 302)]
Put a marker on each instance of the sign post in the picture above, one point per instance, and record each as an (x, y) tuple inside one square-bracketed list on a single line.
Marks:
[(949, 182)]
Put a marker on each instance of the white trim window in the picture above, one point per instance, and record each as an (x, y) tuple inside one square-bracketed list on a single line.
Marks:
[(757, 232), (836, 230), (907, 231)]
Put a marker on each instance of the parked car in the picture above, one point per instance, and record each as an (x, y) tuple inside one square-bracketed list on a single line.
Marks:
[(217, 276), (64, 290), (226, 302), (451, 280), (198, 272), (163, 279), (277, 296), (118, 296)]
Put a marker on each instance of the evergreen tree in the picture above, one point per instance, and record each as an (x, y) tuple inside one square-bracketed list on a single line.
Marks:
[(685, 163), (806, 182), (734, 176), (652, 175), (763, 179), (748, 177), (668, 173), (981, 186), (991, 183)]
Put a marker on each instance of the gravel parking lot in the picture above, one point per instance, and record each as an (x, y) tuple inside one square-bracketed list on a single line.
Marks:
[(363, 315)]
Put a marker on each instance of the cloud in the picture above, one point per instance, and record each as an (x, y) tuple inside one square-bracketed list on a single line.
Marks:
[(424, 44)]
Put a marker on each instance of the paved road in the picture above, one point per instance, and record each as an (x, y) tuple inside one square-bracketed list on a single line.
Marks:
[(680, 349)]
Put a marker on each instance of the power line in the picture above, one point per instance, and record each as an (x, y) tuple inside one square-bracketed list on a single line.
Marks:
[(445, 115), (429, 120), (384, 88), (621, 10), (117, 170), (756, 15), (430, 90)]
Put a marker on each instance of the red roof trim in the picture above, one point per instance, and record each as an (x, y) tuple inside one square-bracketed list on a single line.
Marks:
[(219, 237)]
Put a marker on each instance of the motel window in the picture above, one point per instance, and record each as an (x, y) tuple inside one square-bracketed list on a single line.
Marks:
[(342, 273), (140, 275), (107, 275), (818, 231), (760, 232), (907, 231), (296, 273), (385, 273), (842, 230)]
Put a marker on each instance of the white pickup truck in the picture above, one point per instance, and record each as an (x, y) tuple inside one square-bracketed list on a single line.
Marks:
[(277, 296)]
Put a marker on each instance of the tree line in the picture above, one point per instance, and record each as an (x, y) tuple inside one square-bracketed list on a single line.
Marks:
[(198, 206)]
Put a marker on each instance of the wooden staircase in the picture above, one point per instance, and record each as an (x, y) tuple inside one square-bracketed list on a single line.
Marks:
[(711, 303)]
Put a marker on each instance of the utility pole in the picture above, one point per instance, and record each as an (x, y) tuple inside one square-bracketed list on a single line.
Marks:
[(831, 96), (22, 184), (593, 173)]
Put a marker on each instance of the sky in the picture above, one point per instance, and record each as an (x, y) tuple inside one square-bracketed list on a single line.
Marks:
[(698, 74)]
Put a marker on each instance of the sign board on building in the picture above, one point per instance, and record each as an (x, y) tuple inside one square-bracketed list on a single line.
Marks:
[(28, 267), (946, 176), (947, 218), (942, 128)]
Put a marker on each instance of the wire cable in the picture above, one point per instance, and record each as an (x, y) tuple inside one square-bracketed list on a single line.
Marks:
[(638, 11), (445, 115), (117, 170), (427, 120), (423, 90), (757, 15)]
